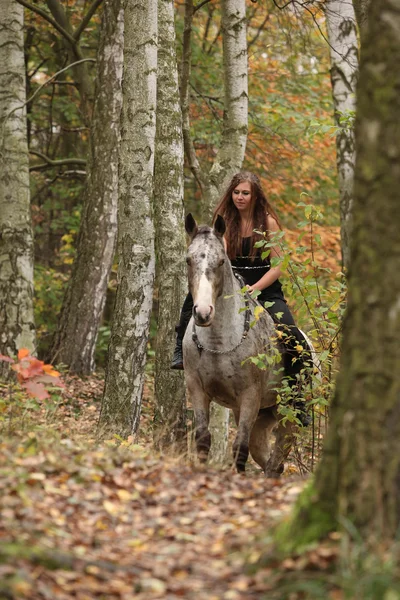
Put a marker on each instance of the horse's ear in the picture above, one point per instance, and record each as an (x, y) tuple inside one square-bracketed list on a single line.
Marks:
[(219, 226), (190, 225)]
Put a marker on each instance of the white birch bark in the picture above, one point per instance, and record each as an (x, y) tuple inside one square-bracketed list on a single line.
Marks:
[(342, 34), (229, 158), (233, 145), (75, 340), (170, 409), (122, 399), (230, 155), (16, 239)]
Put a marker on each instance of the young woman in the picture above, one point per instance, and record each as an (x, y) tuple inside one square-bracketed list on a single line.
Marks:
[(245, 209)]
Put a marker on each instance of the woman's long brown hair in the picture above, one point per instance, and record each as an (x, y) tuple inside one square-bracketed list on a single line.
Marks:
[(260, 208)]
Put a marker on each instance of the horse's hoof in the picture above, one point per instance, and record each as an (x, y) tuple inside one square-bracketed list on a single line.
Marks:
[(274, 474), (241, 469)]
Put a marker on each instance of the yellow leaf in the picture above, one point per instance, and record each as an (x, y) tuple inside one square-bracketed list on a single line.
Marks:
[(112, 507), (124, 495), (258, 312)]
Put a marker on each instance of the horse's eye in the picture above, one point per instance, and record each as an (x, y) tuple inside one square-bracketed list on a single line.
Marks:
[(221, 262), (188, 260)]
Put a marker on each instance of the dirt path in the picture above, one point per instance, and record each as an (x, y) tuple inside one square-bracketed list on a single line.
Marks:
[(120, 522)]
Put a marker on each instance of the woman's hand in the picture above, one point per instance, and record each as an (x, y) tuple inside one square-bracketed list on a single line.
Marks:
[(251, 288)]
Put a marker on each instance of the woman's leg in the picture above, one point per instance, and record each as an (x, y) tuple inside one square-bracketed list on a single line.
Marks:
[(296, 355), (186, 313)]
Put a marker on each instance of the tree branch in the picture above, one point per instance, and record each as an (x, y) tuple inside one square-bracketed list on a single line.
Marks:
[(198, 6), (92, 9), (49, 163), (58, 12), (84, 82), (37, 91), (50, 20), (260, 29), (208, 100), (211, 46), (207, 27)]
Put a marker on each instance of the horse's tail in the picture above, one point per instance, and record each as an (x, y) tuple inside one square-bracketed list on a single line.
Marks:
[(314, 357)]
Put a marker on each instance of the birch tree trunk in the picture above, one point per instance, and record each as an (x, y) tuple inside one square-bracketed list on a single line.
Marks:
[(170, 409), (75, 340), (231, 153), (342, 34), (358, 479), (16, 239), (122, 398)]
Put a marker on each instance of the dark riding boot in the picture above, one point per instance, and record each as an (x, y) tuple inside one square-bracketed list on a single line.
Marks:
[(302, 414), (186, 313), (177, 359), (292, 370)]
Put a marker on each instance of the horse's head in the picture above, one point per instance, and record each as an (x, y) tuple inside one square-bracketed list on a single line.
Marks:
[(205, 259)]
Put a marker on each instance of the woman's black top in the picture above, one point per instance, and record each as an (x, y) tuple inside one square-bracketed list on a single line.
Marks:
[(253, 268)]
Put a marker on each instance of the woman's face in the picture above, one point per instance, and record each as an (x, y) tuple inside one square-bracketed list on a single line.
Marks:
[(241, 197)]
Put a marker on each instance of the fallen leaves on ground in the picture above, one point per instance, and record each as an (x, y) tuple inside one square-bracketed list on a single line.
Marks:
[(85, 520)]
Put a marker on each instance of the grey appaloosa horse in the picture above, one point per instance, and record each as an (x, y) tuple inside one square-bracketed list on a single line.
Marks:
[(217, 341)]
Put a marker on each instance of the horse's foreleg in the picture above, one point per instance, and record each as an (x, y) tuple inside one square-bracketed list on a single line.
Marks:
[(284, 437), (201, 407), (202, 435), (248, 414)]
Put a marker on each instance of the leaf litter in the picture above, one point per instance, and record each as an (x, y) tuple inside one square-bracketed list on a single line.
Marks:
[(88, 520)]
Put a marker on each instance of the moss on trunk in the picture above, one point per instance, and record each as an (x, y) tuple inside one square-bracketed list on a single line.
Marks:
[(358, 479)]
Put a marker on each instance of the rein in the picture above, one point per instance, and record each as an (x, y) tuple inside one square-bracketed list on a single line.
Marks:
[(246, 327)]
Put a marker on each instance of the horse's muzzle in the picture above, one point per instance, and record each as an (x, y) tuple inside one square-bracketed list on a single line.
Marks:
[(203, 317)]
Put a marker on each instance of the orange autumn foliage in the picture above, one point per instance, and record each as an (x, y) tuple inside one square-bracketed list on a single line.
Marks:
[(33, 374)]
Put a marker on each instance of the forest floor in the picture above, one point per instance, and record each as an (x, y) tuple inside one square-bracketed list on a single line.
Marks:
[(115, 520)]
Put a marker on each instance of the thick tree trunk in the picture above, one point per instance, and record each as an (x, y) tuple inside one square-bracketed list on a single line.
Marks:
[(122, 399), (75, 340), (342, 34), (170, 411), (231, 153), (358, 478), (16, 241)]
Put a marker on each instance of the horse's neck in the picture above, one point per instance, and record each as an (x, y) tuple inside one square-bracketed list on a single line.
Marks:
[(231, 289)]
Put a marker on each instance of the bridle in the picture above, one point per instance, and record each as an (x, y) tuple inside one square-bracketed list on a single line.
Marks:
[(246, 326)]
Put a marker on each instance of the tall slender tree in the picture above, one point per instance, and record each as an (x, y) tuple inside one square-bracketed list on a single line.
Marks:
[(230, 155), (361, 9), (170, 235), (358, 478), (342, 34), (16, 240), (121, 405), (70, 40), (75, 339)]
